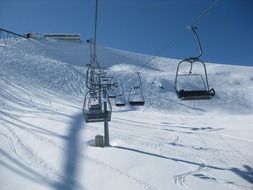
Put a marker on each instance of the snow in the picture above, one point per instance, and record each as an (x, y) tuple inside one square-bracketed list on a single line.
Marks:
[(167, 144)]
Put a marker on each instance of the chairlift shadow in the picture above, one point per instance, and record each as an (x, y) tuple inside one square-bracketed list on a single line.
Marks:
[(246, 173)]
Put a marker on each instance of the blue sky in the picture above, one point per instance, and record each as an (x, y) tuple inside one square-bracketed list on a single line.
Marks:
[(144, 26)]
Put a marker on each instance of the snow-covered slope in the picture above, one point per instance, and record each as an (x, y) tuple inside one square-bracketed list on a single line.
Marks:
[(167, 144)]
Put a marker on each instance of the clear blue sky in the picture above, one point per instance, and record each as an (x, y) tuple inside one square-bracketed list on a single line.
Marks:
[(143, 26)]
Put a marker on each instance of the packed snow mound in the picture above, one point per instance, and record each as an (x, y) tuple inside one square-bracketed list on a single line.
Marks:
[(60, 67)]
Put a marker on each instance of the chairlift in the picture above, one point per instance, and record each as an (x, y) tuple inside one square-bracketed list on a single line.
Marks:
[(96, 108), (93, 77), (93, 108), (202, 91), (112, 85), (111, 90), (120, 100), (120, 97), (136, 97)]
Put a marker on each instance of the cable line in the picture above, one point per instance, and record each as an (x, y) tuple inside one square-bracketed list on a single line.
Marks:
[(204, 12)]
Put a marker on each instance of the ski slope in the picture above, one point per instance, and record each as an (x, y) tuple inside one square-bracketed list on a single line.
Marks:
[(167, 144)]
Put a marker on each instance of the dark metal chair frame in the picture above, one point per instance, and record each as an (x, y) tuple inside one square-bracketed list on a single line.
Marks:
[(95, 113), (206, 93), (120, 95), (136, 90)]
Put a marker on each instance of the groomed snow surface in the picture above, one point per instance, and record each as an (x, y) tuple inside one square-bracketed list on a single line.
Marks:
[(167, 144)]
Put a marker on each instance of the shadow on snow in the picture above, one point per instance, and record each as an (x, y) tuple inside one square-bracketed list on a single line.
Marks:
[(71, 157), (246, 174)]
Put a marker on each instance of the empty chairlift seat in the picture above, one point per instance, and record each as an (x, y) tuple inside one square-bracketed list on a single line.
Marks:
[(198, 86), (120, 100), (136, 97), (111, 91), (192, 72), (120, 96), (195, 94), (94, 109)]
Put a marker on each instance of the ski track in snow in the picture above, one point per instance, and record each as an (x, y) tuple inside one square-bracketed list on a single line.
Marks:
[(223, 159), (33, 160), (180, 180)]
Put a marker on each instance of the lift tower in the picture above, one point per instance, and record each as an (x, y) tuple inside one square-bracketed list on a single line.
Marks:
[(97, 106)]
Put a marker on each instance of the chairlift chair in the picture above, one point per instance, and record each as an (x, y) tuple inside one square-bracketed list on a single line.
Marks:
[(120, 100), (136, 97), (120, 97), (112, 87), (193, 94), (93, 108), (111, 91)]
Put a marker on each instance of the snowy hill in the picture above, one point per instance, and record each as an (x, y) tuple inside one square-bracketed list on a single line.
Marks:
[(167, 144)]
